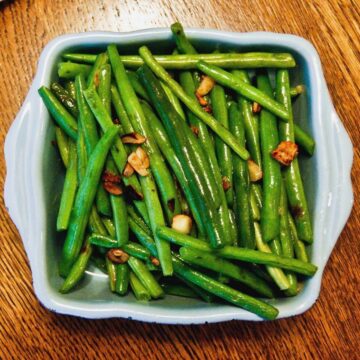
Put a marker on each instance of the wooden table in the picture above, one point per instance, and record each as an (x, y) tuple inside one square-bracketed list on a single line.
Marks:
[(330, 330)]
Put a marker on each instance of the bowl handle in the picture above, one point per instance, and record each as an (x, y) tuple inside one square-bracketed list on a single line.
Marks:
[(341, 190), (15, 157)]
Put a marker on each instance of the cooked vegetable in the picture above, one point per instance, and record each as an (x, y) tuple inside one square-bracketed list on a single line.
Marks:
[(173, 188)]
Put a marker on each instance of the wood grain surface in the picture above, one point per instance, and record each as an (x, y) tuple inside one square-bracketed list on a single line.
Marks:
[(330, 330)]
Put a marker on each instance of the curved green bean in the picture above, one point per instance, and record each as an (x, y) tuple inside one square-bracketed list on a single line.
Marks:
[(61, 116), (63, 143)]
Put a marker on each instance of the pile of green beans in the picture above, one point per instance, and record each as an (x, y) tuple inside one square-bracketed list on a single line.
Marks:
[(247, 240)]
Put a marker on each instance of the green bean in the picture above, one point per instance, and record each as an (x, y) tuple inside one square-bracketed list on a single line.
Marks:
[(275, 272), (110, 227), (234, 235), (70, 88), (200, 156), (192, 104), (223, 152), (122, 278), (299, 247), (251, 123), (143, 237), (61, 116), (254, 208), (225, 267), (69, 191), (241, 183), (77, 270), (94, 74), (169, 154), (81, 58), (83, 201), (138, 288), (297, 90), (182, 43), (82, 156), (68, 70), (251, 60), (103, 203), (270, 220), (205, 142), (64, 97), (174, 126), (137, 86), (118, 151), (275, 246), (174, 100), (146, 278), (161, 173), (293, 181), (105, 86), (256, 190), (305, 140), (235, 297), (248, 91), (138, 121), (120, 111), (237, 253), (179, 290), (86, 118), (63, 143), (139, 220), (111, 269)]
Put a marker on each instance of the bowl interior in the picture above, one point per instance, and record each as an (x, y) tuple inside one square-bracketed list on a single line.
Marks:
[(93, 290)]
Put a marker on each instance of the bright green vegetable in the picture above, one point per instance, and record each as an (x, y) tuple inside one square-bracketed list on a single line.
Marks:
[(303, 139), (175, 129), (84, 200), (225, 267), (270, 220), (146, 278), (65, 98), (68, 70), (241, 183), (248, 91), (122, 278), (223, 151), (192, 104), (94, 75), (63, 143), (139, 290), (235, 297), (61, 116), (251, 123), (69, 191), (237, 253), (77, 270), (294, 185), (250, 60)]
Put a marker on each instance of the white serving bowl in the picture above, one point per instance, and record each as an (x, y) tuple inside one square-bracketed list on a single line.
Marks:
[(35, 176)]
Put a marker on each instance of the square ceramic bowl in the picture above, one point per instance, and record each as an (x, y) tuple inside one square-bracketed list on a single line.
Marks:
[(35, 177)]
